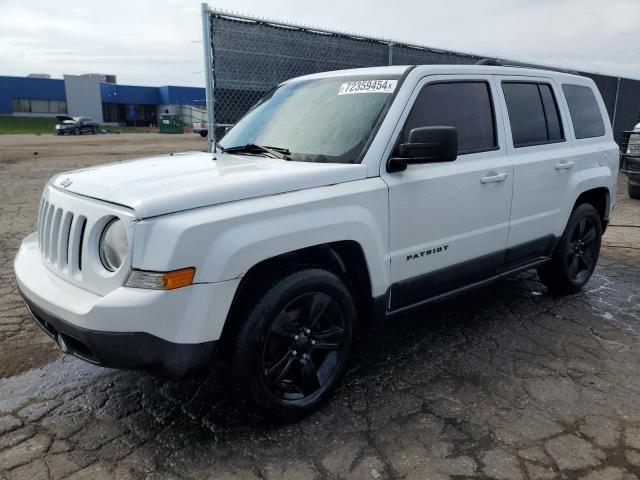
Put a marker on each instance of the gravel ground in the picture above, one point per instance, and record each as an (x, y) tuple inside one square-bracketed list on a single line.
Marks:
[(26, 163), (506, 382)]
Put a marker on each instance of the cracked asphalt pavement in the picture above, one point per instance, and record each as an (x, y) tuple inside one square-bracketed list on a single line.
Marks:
[(506, 382)]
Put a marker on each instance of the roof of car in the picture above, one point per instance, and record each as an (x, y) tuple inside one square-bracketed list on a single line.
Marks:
[(450, 69)]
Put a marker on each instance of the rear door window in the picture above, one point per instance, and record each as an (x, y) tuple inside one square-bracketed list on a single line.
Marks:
[(585, 113), (554, 126), (533, 113)]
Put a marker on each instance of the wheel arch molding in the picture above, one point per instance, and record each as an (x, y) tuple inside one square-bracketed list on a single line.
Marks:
[(344, 258), (600, 199)]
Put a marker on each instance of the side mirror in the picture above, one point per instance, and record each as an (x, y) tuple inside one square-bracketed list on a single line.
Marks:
[(426, 145)]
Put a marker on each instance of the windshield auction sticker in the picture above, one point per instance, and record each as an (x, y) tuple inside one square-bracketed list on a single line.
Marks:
[(368, 86)]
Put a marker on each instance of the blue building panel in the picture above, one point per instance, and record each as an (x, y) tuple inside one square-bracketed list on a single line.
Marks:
[(53, 89), (172, 95), (31, 88), (129, 94)]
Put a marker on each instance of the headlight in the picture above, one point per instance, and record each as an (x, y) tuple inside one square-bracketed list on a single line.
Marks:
[(113, 245), (634, 144)]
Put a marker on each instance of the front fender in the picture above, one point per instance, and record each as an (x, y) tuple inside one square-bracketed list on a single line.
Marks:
[(223, 242)]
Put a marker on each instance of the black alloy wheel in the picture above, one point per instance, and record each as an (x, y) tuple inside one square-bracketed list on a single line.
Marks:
[(582, 250), (303, 346), (634, 190), (576, 253), (293, 343)]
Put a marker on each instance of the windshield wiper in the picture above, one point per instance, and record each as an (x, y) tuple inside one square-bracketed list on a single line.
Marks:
[(276, 152)]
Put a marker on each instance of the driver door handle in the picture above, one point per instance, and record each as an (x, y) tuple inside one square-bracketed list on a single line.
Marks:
[(565, 164), (493, 177)]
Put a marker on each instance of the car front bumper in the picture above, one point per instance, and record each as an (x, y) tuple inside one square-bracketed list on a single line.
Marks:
[(170, 333), (125, 350)]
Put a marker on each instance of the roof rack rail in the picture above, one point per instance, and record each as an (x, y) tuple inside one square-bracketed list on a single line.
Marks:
[(499, 63)]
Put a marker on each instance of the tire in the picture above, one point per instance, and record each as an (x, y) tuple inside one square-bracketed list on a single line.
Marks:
[(204, 133), (286, 359), (576, 254), (634, 190)]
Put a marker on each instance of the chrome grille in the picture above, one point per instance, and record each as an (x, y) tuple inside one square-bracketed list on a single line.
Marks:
[(60, 233), (69, 230)]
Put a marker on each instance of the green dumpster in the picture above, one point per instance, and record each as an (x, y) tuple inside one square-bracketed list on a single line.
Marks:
[(171, 123)]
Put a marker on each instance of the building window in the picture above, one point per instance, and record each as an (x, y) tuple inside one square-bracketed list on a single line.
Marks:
[(129, 114), (26, 105), (39, 106), (21, 105), (57, 106)]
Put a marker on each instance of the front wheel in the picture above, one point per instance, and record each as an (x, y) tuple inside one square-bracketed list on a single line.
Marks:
[(576, 254), (294, 345), (634, 190)]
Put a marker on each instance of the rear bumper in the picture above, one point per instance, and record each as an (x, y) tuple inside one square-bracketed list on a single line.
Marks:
[(126, 350)]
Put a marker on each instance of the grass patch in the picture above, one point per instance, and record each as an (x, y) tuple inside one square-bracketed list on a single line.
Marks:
[(44, 125), (27, 124), (125, 129)]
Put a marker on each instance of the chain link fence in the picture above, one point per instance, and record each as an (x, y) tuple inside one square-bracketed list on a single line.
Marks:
[(250, 56)]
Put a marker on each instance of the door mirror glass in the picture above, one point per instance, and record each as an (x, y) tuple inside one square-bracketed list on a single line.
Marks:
[(427, 145)]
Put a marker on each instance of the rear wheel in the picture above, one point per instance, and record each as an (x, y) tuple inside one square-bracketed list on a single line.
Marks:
[(293, 346), (576, 254), (634, 190)]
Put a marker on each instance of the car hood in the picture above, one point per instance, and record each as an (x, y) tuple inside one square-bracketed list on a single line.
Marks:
[(172, 183), (64, 118)]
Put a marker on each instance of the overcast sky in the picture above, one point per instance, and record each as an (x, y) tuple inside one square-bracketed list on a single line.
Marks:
[(154, 42)]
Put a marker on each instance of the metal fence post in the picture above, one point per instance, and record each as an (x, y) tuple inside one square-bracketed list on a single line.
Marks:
[(390, 44), (615, 105), (208, 73)]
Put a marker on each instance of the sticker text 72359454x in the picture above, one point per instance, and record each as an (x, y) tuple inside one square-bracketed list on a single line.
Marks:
[(368, 86)]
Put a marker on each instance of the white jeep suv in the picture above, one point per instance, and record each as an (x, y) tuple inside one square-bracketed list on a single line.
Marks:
[(339, 200)]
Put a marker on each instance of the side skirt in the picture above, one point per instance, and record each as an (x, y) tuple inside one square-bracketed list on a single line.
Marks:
[(471, 286)]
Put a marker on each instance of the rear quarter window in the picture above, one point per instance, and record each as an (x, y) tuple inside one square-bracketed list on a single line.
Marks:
[(585, 113)]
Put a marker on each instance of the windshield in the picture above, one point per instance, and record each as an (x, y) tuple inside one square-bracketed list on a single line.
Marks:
[(318, 120)]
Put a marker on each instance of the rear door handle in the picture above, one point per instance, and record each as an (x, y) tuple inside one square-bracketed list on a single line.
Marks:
[(565, 164), (493, 177)]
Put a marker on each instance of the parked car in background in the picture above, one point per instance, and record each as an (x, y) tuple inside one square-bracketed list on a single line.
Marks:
[(630, 161), (75, 125), (201, 128)]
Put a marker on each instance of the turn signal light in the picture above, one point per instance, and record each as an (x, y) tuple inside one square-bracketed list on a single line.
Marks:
[(161, 280)]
